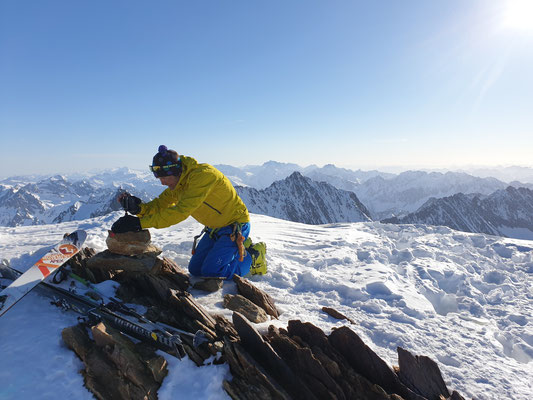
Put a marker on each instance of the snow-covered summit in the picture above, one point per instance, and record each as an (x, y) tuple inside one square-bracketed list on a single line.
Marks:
[(56, 199), (300, 199), (507, 212), (407, 191), (462, 299)]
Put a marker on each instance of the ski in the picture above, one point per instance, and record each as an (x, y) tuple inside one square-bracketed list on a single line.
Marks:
[(122, 318), (50, 262)]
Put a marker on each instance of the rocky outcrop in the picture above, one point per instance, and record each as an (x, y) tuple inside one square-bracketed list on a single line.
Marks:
[(299, 362), (210, 285), (251, 311), (421, 374), (115, 367), (256, 296), (132, 243)]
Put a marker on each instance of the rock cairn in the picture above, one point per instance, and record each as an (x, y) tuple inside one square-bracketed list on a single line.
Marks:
[(299, 362)]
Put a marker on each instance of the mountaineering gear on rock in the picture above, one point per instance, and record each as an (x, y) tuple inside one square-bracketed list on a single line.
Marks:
[(127, 223), (114, 313), (166, 162), (258, 254), (202, 192), (217, 256), (130, 203)]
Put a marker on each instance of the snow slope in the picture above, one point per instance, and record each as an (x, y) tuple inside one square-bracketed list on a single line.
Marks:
[(463, 299)]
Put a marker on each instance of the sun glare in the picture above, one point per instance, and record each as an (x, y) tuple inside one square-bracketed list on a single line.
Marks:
[(519, 15)]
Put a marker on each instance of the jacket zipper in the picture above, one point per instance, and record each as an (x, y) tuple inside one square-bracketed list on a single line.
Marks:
[(210, 206)]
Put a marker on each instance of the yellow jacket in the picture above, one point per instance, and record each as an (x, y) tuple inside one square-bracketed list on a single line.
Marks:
[(203, 192)]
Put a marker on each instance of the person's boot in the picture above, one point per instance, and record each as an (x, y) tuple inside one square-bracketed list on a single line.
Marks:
[(258, 253)]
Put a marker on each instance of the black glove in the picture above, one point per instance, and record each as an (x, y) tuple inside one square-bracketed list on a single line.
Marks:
[(130, 203), (127, 223)]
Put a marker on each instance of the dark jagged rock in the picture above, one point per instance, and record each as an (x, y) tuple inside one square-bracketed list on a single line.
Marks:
[(115, 367), (185, 304), (422, 375), (250, 380), (152, 288), (266, 356), (225, 329), (456, 396), (78, 264), (210, 285), (367, 363), (302, 361), (171, 271), (256, 296), (244, 306), (335, 314), (353, 384), (77, 339)]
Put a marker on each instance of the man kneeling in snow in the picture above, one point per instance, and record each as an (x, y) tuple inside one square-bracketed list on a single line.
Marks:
[(202, 191)]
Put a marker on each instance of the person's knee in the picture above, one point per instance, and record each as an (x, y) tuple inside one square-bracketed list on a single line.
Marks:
[(242, 268), (214, 270), (195, 267)]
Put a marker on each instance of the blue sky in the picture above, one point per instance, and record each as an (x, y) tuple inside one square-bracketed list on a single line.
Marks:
[(360, 84)]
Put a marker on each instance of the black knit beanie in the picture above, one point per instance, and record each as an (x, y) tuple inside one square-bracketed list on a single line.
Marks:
[(166, 157)]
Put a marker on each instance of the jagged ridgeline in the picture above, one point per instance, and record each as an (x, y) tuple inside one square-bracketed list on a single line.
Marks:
[(300, 199), (59, 199), (310, 195)]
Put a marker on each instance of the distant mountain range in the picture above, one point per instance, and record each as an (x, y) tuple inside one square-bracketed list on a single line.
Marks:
[(56, 199), (300, 199), (262, 176), (506, 212), (385, 195), (311, 195), (406, 192)]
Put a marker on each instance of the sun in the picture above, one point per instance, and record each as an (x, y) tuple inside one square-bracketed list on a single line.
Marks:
[(518, 14)]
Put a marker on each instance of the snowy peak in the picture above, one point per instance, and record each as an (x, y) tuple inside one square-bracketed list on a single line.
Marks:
[(507, 212), (56, 199), (408, 191), (259, 176), (19, 207), (300, 199)]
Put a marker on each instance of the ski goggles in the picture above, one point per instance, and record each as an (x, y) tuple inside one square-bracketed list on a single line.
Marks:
[(160, 170)]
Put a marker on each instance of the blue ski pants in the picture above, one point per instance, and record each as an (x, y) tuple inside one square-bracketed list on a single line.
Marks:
[(217, 255)]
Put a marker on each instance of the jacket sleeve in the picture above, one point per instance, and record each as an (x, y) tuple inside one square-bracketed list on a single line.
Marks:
[(164, 200), (168, 210)]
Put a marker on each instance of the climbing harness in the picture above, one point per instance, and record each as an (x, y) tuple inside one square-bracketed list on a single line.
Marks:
[(236, 236)]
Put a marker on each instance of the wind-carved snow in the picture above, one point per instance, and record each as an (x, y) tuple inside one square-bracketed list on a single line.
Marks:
[(463, 299)]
